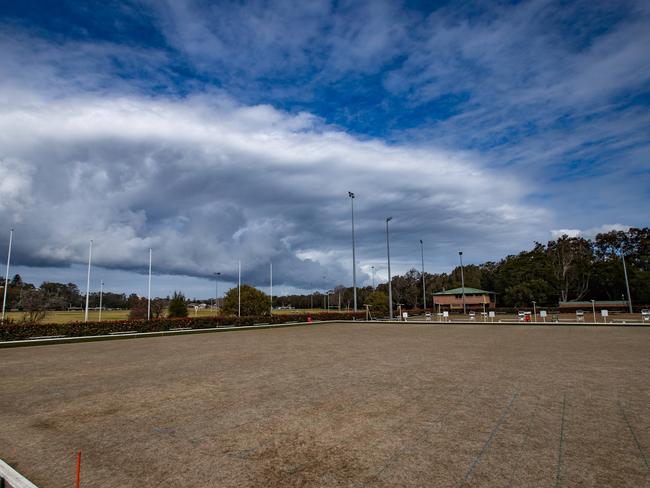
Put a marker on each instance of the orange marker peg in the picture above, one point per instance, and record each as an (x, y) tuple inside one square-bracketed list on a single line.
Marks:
[(78, 469)]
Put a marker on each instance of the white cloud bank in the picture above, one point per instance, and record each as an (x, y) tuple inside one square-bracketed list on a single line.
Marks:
[(205, 182)]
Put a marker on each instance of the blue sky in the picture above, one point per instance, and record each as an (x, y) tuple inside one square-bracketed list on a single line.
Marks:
[(222, 131)]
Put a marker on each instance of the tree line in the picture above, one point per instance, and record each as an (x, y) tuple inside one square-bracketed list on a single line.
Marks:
[(564, 269)]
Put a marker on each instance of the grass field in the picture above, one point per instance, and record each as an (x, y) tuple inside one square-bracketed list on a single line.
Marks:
[(364, 405)]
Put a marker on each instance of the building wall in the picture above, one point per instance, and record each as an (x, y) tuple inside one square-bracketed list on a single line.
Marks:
[(455, 302)]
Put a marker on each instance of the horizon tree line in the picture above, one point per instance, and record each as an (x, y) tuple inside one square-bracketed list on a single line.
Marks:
[(564, 269)]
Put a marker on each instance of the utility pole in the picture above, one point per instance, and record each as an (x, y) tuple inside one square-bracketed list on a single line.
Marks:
[(239, 290), (424, 291), (534, 311), (354, 257), (627, 283), (101, 296), (462, 281), (593, 309), (271, 284), (216, 290), (90, 257), (4, 298), (149, 289), (390, 285)]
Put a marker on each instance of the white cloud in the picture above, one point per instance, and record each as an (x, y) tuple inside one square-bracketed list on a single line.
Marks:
[(206, 182), (589, 233)]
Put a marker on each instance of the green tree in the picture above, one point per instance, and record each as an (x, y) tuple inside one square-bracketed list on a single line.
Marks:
[(378, 301), (253, 302), (177, 306)]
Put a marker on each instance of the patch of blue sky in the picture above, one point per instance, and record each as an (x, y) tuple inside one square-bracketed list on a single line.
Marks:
[(108, 21)]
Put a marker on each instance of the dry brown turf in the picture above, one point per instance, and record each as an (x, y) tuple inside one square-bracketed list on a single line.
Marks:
[(335, 405)]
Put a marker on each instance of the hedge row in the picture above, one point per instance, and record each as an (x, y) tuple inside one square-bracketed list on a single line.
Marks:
[(19, 331)]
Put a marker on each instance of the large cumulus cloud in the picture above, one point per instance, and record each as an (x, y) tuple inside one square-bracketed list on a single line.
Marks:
[(206, 182)]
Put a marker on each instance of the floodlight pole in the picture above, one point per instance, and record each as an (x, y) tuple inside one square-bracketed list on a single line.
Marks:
[(390, 285), (354, 257), (593, 309), (101, 295), (534, 312), (149, 289), (4, 297), (216, 289), (239, 291), (271, 284), (462, 281), (627, 283), (373, 277), (424, 292), (90, 257)]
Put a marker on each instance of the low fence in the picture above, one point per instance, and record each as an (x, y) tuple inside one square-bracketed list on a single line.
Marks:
[(10, 478)]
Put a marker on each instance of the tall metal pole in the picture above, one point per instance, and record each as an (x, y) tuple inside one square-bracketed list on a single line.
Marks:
[(390, 285), (149, 289), (424, 291), (593, 309), (239, 291), (373, 277), (271, 280), (101, 295), (90, 257), (462, 281), (354, 256), (627, 284), (216, 289), (534, 311), (4, 298)]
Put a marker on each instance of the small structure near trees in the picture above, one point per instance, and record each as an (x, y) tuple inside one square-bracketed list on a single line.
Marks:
[(474, 299)]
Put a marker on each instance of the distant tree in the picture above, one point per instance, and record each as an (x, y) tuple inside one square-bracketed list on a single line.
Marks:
[(139, 309), (378, 301), (16, 281), (571, 259), (68, 293), (132, 300), (177, 306), (158, 306), (34, 304), (406, 288), (253, 301)]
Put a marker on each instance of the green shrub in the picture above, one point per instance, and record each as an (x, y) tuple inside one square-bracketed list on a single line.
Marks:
[(20, 331), (378, 301), (253, 302), (177, 306)]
